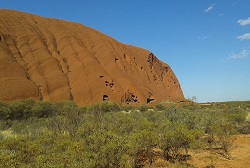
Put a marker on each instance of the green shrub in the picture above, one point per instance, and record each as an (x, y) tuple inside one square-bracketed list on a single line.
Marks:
[(104, 106), (159, 107), (225, 133), (5, 112), (175, 138), (43, 109), (244, 128), (128, 108), (143, 108), (153, 116), (105, 149), (21, 110), (143, 142), (236, 115), (64, 107)]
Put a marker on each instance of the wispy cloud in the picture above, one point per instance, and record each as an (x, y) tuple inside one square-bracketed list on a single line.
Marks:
[(211, 6), (244, 37), (244, 22), (202, 37), (243, 54)]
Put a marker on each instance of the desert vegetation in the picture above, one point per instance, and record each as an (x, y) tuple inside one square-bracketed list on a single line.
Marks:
[(61, 134)]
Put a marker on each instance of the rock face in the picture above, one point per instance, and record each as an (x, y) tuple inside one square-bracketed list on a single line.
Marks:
[(52, 60)]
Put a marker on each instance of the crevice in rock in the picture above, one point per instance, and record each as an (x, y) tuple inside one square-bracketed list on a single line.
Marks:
[(70, 89), (156, 64), (24, 66), (150, 98), (105, 98), (116, 59), (40, 95), (85, 71), (66, 75), (38, 66), (109, 84), (130, 97)]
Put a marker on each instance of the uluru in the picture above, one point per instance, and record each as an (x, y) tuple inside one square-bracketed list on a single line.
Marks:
[(52, 60)]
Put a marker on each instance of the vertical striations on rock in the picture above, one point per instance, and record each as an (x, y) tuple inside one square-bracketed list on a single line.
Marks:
[(52, 60)]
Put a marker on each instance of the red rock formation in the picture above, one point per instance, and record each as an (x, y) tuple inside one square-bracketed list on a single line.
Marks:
[(51, 60)]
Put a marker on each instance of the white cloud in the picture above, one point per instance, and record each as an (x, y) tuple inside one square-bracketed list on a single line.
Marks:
[(202, 37), (244, 37), (244, 22), (243, 54), (211, 6)]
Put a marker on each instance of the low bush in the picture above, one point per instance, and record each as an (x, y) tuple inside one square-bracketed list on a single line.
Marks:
[(175, 138)]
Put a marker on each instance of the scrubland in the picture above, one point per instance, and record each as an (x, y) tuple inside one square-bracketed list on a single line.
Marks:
[(187, 134)]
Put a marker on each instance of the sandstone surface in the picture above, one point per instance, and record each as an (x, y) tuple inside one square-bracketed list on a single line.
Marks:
[(51, 60)]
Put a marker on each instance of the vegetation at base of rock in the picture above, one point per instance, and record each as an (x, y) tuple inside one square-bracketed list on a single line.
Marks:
[(61, 134)]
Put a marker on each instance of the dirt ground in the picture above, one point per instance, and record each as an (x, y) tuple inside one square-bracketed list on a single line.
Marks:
[(239, 156)]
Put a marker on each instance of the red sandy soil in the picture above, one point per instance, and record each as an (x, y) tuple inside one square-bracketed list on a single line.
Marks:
[(52, 60), (239, 155)]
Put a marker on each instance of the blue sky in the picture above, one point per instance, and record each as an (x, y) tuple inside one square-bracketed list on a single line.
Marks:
[(206, 43)]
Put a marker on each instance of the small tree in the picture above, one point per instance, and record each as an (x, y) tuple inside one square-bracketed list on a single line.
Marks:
[(143, 141), (176, 138), (225, 134), (105, 149), (5, 112)]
